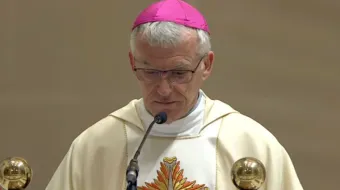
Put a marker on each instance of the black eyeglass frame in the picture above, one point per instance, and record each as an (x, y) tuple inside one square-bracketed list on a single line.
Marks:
[(172, 70)]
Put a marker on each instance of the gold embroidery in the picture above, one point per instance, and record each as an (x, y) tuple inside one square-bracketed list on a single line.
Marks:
[(170, 177)]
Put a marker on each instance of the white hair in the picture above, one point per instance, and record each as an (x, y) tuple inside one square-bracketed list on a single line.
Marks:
[(168, 34)]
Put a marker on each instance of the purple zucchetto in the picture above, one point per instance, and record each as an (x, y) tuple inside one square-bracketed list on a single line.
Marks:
[(177, 11)]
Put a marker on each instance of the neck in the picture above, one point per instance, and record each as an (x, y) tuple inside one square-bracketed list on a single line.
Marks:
[(194, 105)]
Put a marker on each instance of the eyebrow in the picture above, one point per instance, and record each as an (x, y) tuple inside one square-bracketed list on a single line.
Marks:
[(144, 62), (179, 65), (183, 65)]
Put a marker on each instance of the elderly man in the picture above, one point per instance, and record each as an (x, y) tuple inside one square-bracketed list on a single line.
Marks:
[(195, 149)]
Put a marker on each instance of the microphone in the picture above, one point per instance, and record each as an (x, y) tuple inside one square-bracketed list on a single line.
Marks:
[(133, 168)]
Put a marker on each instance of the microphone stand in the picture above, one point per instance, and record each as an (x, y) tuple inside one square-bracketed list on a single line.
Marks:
[(133, 168)]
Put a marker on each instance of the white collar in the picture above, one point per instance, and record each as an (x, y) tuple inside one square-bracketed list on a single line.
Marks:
[(188, 126)]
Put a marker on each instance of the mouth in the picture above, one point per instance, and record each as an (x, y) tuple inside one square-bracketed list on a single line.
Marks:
[(165, 103)]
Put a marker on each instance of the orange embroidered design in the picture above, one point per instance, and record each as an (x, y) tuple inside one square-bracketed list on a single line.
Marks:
[(170, 177)]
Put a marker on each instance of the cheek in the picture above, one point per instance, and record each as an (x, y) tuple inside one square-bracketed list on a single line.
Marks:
[(190, 90), (185, 91), (147, 89), (181, 89)]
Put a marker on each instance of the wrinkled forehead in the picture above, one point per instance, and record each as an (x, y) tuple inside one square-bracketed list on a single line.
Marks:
[(166, 63), (180, 55)]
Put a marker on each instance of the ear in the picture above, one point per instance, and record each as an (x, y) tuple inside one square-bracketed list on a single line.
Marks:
[(132, 60), (208, 65)]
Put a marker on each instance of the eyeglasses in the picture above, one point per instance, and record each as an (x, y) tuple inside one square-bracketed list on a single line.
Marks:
[(174, 76)]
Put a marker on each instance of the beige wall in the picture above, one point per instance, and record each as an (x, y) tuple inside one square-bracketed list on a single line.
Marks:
[(277, 61)]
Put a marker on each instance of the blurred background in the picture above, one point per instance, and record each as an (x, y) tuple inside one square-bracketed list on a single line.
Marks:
[(64, 66)]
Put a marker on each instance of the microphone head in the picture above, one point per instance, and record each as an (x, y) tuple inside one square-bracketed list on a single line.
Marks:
[(161, 118)]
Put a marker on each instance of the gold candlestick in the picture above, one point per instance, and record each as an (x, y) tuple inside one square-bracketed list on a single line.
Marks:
[(15, 174)]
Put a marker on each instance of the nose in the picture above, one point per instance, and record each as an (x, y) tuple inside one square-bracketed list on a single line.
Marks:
[(164, 87)]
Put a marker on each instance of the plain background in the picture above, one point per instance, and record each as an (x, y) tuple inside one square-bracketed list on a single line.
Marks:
[(64, 66)]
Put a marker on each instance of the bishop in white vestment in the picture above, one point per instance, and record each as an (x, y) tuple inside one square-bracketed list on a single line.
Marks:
[(195, 151), (196, 148)]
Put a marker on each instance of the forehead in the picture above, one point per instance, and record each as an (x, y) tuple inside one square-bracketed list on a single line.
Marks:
[(182, 54)]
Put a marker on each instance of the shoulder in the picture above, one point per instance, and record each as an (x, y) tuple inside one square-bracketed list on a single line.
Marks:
[(239, 125), (236, 124), (112, 128), (106, 129), (112, 125), (241, 136), (243, 123), (103, 142)]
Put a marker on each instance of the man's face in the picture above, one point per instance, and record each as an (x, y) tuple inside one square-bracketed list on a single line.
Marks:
[(163, 93)]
